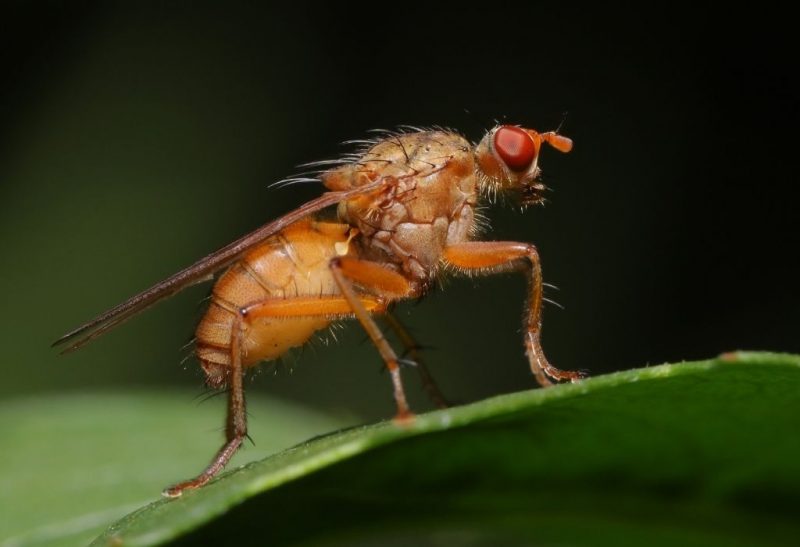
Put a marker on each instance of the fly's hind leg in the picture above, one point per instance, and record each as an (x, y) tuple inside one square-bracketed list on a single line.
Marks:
[(236, 426), (486, 257), (388, 283), (236, 430)]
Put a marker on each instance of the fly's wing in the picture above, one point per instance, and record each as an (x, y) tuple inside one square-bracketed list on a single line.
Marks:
[(200, 270)]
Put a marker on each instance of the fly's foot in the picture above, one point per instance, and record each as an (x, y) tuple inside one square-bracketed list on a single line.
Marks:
[(565, 375), (545, 373), (404, 418), (176, 490)]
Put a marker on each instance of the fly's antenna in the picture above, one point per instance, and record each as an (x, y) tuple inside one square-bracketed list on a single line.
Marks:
[(562, 122)]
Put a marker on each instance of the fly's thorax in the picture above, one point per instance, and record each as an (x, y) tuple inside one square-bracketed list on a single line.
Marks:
[(426, 204)]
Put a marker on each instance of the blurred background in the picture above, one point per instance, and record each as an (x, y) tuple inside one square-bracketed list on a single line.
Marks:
[(135, 139)]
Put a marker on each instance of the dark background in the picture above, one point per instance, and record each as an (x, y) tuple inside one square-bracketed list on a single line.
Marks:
[(134, 140)]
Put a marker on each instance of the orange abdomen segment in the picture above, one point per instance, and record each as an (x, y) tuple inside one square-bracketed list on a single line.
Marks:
[(292, 263)]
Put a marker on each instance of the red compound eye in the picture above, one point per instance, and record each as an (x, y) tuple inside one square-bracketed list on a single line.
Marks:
[(515, 147)]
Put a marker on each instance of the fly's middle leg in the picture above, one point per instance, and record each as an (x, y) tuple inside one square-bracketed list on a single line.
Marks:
[(381, 280), (412, 349), (487, 257)]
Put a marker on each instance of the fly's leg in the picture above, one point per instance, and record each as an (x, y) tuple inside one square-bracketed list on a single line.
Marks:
[(309, 306), (412, 349), (236, 427), (487, 257), (375, 277)]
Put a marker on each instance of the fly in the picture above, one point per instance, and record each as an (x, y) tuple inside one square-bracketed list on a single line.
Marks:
[(405, 214)]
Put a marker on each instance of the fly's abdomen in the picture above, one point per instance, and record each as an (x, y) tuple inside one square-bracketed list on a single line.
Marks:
[(291, 264)]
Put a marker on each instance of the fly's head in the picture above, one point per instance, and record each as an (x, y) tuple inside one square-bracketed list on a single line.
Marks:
[(507, 159)]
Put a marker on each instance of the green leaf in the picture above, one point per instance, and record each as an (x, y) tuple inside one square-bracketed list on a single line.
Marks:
[(70, 465), (703, 453)]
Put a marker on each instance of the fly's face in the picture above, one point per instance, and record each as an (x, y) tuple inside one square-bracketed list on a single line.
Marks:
[(508, 158)]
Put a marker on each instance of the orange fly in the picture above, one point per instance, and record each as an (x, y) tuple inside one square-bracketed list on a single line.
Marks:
[(406, 213)]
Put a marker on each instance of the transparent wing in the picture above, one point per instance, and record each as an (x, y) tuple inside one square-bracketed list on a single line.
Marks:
[(200, 270)]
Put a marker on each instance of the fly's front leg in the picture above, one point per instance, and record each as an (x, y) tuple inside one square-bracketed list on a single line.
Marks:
[(384, 281), (487, 257), (236, 427)]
